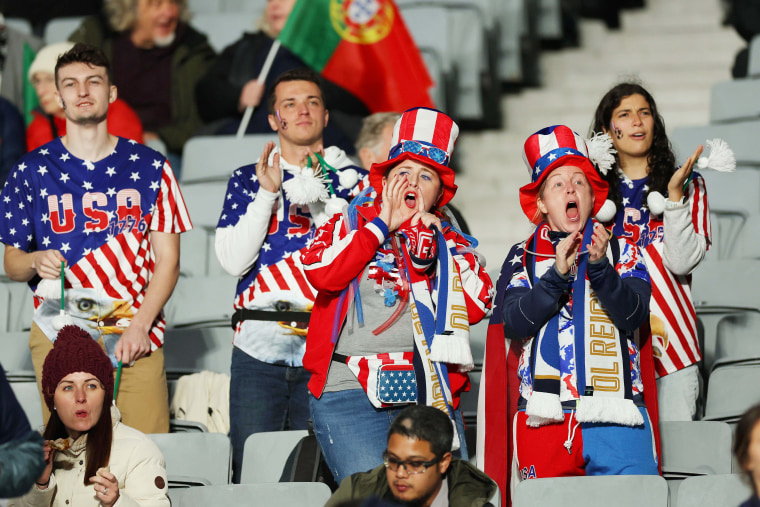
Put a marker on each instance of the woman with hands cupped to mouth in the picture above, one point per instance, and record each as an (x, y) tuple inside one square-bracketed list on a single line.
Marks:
[(398, 286), (92, 459)]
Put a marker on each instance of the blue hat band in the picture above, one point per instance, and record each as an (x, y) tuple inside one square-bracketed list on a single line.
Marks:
[(550, 158)]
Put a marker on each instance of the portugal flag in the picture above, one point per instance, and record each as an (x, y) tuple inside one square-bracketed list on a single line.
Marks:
[(363, 46)]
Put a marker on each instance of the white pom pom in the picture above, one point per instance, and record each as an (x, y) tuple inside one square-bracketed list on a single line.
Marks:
[(606, 212), (601, 151), (335, 205), (348, 178), (721, 157), (49, 289), (305, 188), (656, 203), (61, 320)]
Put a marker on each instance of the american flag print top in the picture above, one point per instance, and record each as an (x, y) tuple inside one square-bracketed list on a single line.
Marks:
[(673, 321), (98, 216)]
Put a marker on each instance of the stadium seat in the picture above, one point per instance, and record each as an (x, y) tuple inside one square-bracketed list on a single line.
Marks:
[(16, 358), (291, 494), (224, 28), (191, 350), (20, 25), (59, 29), (735, 100), (739, 135), (725, 490), (596, 491), (205, 202), (266, 454), (201, 302), (213, 158), (193, 252), (695, 448), (738, 339), (25, 389), (731, 390), (196, 458), (733, 199), (21, 307)]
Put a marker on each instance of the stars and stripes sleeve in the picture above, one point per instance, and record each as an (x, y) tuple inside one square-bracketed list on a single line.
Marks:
[(687, 230), (243, 224), (17, 210), (170, 213)]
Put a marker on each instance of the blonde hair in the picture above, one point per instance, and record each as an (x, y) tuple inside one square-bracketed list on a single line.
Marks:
[(122, 14)]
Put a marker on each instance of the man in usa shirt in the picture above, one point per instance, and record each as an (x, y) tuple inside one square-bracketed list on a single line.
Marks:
[(110, 211)]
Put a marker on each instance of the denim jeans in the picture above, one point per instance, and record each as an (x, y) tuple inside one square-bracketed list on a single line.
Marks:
[(353, 434), (264, 397)]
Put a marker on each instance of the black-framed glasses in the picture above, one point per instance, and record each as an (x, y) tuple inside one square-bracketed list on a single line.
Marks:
[(412, 466)]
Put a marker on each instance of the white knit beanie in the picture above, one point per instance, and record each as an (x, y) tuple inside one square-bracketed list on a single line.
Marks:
[(47, 57)]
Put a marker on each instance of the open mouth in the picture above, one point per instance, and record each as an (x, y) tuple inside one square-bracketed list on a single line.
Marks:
[(410, 199), (81, 413), (572, 210), (639, 136)]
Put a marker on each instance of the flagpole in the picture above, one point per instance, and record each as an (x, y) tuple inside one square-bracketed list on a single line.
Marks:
[(261, 79)]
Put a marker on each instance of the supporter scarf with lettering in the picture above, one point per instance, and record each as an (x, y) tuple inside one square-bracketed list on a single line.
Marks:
[(602, 365)]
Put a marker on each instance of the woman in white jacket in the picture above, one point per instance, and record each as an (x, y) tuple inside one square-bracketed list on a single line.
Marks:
[(92, 459)]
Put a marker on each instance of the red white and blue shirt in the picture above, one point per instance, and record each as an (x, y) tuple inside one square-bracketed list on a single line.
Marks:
[(98, 215), (673, 321)]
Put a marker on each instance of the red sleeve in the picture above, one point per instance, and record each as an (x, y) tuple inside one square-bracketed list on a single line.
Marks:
[(38, 132), (124, 122)]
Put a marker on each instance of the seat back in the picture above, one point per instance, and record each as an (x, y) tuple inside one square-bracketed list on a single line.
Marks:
[(16, 358), (59, 29), (593, 491), (196, 455), (213, 158), (695, 448), (201, 302), (740, 136), (223, 28), (285, 494), (25, 389), (735, 100), (731, 390), (712, 490), (190, 350), (265, 455)]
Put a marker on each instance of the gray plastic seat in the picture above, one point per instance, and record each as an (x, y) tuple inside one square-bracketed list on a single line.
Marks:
[(695, 448), (597, 491), (741, 136), (726, 490), (738, 339), (265, 455), (286, 494), (191, 350), (731, 390), (25, 389), (196, 457), (201, 301), (213, 158), (59, 29), (223, 28), (735, 100)]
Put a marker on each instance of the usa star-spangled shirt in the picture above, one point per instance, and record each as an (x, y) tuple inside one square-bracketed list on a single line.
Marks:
[(98, 215)]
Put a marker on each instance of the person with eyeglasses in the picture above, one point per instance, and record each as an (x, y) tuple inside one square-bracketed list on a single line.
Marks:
[(398, 286), (418, 468)]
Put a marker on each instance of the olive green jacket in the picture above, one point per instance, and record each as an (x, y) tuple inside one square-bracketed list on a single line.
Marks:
[(191, 59), (468, 486)]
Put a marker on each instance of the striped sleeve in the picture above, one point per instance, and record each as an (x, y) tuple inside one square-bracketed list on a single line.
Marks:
[(170, 213), (700, 209)]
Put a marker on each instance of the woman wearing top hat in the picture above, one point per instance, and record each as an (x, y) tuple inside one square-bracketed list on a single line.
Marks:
[(99, 461), (398, 288), (570, 298)]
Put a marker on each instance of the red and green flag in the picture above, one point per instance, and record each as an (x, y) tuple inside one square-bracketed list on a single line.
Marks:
[(363, 46)]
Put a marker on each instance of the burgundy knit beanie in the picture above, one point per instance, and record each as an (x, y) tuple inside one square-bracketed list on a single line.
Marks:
[(73, 351)]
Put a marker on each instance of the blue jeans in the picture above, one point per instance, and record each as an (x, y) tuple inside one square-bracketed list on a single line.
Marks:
[(263, 397), (353, 434)]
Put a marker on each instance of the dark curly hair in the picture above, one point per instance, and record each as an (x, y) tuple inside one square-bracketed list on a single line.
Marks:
[(83, 53), (661, 161)]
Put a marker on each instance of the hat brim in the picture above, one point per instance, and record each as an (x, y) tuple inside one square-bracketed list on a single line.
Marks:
[(378, 171), (529, 193)]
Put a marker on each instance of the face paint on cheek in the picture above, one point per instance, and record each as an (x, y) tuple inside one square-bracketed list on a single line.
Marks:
[(618, 132), (279, 118)]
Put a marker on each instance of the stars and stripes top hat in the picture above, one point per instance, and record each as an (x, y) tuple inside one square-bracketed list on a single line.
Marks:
[(553, 147), (426, 136)]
